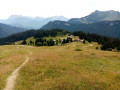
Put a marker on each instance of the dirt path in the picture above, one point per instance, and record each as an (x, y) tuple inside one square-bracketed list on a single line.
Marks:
[(12, 78)]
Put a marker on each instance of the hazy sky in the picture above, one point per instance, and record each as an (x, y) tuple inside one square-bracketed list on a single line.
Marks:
[(47, 8)]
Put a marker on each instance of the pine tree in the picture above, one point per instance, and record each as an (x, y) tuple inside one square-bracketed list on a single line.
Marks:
[(24, 42)]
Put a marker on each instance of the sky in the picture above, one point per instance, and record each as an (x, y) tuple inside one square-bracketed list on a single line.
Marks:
[(48, 8)]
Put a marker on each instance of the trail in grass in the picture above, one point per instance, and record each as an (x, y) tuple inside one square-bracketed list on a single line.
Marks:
[(12, 78)]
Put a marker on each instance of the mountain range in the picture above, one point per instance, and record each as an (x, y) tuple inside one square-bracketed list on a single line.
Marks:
[(105, 28), (6, 30), (106, 23), (97, 16), (30, 22)]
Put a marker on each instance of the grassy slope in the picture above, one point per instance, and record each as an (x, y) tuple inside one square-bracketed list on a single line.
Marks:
[(32, 39), (27, 40), (10, 58), (47, 38), (63, 68)]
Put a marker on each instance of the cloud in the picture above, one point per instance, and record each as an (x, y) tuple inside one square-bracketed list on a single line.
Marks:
[(46, 8)]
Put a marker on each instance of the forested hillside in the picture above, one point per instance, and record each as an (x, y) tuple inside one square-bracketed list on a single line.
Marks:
[(6, 30), (105, 28), (31, 33), (107, 43)]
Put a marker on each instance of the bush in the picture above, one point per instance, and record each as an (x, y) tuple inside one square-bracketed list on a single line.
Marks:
[(45, 44), (78, 49), (39, 43), (96, 48), (109, 49), (84, 42), (24, 42), (103, 48)]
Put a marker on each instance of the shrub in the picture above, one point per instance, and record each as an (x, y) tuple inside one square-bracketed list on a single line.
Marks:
[(78, 49), (45, 44), (96, 48), (39, 43), (109, 49), (103, 47), (24, 42), (84, 42)]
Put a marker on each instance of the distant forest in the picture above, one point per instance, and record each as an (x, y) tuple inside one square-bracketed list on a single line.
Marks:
[(31, 33), (107, 43)]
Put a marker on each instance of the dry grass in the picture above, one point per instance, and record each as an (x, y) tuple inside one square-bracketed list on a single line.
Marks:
[(10, 58), (63, 68)]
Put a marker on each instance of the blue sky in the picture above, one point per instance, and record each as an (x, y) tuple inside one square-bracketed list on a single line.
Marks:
[(48, 8)]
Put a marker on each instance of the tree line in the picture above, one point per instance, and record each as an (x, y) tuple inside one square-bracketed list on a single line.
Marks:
[(44, 42), (107, 43), (31, 33)]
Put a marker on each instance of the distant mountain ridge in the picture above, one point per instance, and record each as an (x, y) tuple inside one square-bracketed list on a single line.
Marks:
[(97, 16), (105, 28), (100, 22), (6, 30), (105, 23), (30, 22)]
